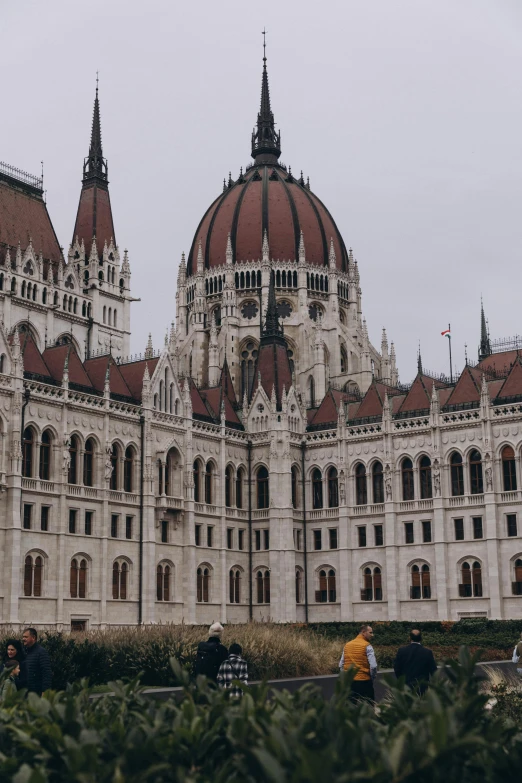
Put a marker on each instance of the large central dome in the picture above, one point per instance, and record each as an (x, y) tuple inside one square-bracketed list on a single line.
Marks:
[(267, 198)]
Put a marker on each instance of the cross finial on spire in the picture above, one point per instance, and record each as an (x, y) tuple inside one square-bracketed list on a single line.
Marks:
[(264, 46)]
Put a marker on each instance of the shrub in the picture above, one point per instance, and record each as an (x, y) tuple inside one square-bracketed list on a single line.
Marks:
[(299, 738)]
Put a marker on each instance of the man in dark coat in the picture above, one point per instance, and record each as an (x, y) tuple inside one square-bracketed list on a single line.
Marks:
[(416, 663), (211, 654), (36, 674)]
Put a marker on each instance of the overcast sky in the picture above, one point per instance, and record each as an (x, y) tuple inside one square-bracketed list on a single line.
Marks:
[(405, 114)]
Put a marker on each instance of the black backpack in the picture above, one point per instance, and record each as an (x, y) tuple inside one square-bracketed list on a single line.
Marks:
[(208, 660)]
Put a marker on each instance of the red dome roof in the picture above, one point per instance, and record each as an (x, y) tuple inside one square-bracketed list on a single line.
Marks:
[(267, 198)]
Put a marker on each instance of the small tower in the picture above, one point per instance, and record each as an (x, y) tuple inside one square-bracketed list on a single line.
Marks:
[(485, 343)]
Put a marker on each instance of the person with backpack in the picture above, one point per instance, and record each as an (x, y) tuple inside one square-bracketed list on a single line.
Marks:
[(211, 654), (8, 685), (233, 668), (517, 654)]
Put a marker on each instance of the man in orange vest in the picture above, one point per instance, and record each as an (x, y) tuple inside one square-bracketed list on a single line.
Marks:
[(360, 654)]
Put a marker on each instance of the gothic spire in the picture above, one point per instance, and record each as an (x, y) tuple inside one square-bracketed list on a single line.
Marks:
[(266, 141), (419, 362), (95, 165), (485, 344), (272, 326)]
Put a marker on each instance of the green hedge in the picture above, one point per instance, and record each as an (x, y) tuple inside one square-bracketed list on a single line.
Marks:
[(300, 738)]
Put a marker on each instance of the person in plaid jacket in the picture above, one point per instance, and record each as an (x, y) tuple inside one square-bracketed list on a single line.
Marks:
[(233, 668)]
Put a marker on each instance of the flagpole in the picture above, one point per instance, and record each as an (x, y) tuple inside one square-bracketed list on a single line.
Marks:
[(451, 366)]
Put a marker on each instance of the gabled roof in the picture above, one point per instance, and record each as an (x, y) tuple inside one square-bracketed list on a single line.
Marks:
[(467, 388), (328, 411), (33, 361), (499, 362), (419, 396), (225, 381), (55, 361), (213, 398), (97, 369), (198, 404), (273, 368), (373, 401), (512, 386), (24, 217), (133, 374)]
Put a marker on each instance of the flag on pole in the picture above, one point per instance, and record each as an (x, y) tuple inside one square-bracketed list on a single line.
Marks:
[(446, 333)]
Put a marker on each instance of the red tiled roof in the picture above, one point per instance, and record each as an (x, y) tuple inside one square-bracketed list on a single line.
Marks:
[(419, 395), (94, 217), (273, 365), (225, 381), (97, 369), (467, 388), (499, 362), (512, 386), (328, 410), (133, 374), (55, 360), (24, 216), (198, 406), (373, 401), (33, 361)]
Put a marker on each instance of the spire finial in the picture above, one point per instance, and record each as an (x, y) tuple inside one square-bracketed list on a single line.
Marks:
[(485, 344), (95, 164), (264, 46), (419, 361), (266, 141)]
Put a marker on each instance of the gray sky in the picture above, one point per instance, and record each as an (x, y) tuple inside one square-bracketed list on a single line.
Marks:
[(406, 115)]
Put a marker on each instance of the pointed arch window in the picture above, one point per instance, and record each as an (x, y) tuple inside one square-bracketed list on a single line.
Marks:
[(45, 456), (72, 477), (378, 482), (408, 491), (88, 463), (420, 582), (317, 489), (203, 585), (248, 358), (234, 585), (163, 576), (327, 592), (115, 459), (471, 584), (333, 488), (263, 496), (509, 474), (372, 584), (209, 480), (294, 481), (344, 360), (197, 480), (475, 473), (120, 580), (361, 494), (426, 490), (78, 578), (298, 586), (311, 391), (517, 584), (27, 452), (263, 586), (229, 474), (457, 474), (239, 488), (33, 575), (128, 469)]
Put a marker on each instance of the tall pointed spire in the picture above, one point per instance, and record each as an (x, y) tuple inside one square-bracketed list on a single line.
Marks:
[(485, 344), (95, 165), (272, 326), (266, 141), (419, 362)]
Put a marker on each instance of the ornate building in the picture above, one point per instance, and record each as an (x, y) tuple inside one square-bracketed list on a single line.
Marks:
[(265, 463)]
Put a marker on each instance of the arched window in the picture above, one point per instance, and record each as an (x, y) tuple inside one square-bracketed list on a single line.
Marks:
[(120, 580), (160, 477), (298, 586), (408, 492), (104, 314), (45, 456), (311, 391), (377, 482), (203, 585), (263, 495), (161, 395), (317, 489), (163, 573), (475, 473), (128, 469), (361, 495), (263, 586), (248, 356), (327, 590), (33, 575), (27, 452), (229, 474), (209, 477), (239, 488), (44, 296), (517, 584), (78, 578), (171, 398), (115, 459), (88, 463), (344, 360), (295, 492), (333, 488), (2, 362), (471, 585), (72, 478), (509, 475), (234, 585), (372, 584), (457, 474), (426, 490), (420, 582), (197, 480)]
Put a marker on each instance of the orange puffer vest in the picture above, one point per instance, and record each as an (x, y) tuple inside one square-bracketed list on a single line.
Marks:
[(355, 655)]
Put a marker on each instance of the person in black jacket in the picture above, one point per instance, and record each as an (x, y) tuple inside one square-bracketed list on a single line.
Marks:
[(415, 663), (36, 674), (211, 654)]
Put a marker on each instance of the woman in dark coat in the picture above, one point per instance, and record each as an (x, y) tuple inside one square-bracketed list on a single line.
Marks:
[(13, 650)]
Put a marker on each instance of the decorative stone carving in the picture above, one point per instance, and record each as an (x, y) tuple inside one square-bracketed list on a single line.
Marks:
[(436, 477), (108, 462)]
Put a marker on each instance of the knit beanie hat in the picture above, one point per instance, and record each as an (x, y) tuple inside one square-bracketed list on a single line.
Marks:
[(216, 629)]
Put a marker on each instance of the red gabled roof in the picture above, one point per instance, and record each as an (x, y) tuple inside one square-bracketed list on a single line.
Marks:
[(97, 369), (328, 411), (24, 216), (273, 367), (33, 361), (419, 395), (55, 361), (499, 362), (213, 398), (133, 374), (94, 217), (467, 388), (198, 405), (225, 381), (373, 401), (512, 386)]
